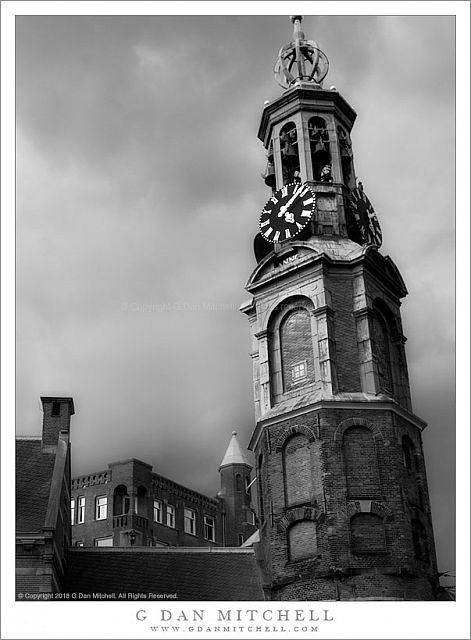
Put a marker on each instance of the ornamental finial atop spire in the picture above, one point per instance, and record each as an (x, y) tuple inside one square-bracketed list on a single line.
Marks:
[(301, 60)]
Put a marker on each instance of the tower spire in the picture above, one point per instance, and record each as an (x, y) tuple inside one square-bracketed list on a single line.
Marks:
[(234, 453), (301, 60)]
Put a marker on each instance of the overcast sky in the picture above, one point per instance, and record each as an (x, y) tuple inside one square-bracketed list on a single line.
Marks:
[(138, 196)]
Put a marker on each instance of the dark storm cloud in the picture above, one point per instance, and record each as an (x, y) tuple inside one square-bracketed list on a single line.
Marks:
[(138, 196)]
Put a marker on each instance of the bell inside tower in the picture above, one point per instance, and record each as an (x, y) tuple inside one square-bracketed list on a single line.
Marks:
[(289, 153), (320, 152)]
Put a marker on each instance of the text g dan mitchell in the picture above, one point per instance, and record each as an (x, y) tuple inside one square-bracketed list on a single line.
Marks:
[(236, 615)]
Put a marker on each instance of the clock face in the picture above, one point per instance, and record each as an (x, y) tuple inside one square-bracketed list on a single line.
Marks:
[(287, 212), (364, 218)]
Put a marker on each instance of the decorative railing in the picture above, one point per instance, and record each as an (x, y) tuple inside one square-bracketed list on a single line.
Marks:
[(131, 520)]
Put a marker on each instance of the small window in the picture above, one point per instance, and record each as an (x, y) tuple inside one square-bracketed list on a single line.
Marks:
[(101, 508), (72, 511), (299, 371), (56, 409), (189, 519), (104, 542), (238, 482), (81, 510), (209, 528), (79, 543), (171, 516), (158, 511)]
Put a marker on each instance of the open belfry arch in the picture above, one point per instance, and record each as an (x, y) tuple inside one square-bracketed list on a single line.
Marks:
[(343, 509)]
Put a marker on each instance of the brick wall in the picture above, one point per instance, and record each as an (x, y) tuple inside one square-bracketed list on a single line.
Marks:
[(378, 520)]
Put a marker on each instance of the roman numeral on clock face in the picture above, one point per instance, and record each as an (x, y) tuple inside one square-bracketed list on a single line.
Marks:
[(284, 191), (264, 224), (268, 231), (276, 236), (287, 234)]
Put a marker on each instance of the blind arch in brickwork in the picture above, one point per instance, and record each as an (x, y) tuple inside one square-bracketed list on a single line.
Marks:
[(290, 431), (297, 472), (292, 347), (361, 422), (360, 462)]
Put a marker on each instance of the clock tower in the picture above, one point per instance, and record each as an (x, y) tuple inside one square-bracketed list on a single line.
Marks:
[(343, 505)]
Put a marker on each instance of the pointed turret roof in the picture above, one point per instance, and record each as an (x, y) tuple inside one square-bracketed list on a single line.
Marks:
[(234, 453)]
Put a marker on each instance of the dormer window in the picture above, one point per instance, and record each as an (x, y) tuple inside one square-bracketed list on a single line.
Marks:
[(56, 409)]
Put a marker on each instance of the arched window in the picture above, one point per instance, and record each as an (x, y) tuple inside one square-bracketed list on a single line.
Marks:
[(289, 152), (297, 470), (121, 502), (408, 453), (367, 533), (302, 540), (238, 482), (319, 142), (297, 358), (361, 465)]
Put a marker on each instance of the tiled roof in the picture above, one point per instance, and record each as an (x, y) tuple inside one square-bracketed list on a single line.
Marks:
[(33, 481), (191, 574)]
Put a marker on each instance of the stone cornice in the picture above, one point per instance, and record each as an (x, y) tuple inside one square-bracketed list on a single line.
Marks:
[(304, 98), (348, 405)]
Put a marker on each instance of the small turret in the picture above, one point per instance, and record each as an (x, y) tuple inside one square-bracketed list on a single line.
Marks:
[(235, 472)]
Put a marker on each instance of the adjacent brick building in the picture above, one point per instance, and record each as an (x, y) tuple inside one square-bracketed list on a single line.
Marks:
[(130, 505), (43, 532)]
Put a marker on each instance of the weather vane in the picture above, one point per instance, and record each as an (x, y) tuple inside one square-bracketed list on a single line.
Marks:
[(301, 60)]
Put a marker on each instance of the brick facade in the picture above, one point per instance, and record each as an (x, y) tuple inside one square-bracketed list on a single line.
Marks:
[(129, 504), (137, 515)]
